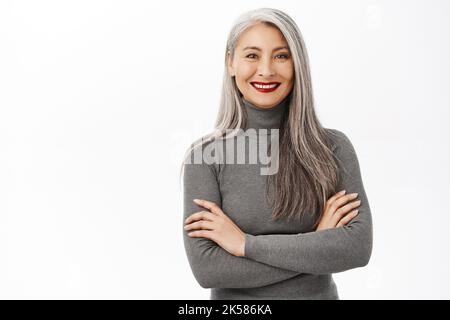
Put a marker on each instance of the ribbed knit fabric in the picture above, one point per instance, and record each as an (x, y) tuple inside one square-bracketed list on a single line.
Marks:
[(283, 259)]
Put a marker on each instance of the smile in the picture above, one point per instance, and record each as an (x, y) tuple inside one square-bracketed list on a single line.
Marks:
[(265, 87)]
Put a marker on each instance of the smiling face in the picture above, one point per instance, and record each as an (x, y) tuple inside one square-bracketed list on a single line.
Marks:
[(261, 57)]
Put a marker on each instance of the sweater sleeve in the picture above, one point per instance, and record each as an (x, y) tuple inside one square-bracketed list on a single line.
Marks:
[(212, 266), (324, 251)]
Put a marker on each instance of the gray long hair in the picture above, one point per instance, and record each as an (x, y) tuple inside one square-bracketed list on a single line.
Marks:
[(307, 173)]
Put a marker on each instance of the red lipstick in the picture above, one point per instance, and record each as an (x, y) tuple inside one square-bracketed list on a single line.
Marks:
[(265, 86)]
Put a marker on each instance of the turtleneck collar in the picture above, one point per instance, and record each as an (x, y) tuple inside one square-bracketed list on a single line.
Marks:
[(265, 118)]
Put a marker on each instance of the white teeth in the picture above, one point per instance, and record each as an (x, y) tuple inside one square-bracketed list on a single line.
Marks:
[(265, 86)]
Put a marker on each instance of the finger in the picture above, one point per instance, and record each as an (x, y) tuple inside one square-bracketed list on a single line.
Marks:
[(201, 215), (201, 234), (348, 207), (336, 196), (331, 200), (347, 218), (344, 211), (342, 200), (209, 205), (202, 224)]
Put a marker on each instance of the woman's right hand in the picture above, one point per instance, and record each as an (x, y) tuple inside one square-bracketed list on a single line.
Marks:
[(338, 212)]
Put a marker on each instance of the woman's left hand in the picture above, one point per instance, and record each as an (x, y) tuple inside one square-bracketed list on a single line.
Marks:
[(217, 226)]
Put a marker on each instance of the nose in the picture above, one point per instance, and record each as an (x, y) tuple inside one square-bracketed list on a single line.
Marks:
[(265, 68)]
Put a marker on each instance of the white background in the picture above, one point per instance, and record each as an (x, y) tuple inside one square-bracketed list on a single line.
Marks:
[(99, 99)]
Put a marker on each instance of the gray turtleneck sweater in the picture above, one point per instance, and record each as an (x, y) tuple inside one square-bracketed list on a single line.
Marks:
[(283, 259)]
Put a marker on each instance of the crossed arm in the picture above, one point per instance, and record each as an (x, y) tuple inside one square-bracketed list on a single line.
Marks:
[(212, 266), (273, 258)]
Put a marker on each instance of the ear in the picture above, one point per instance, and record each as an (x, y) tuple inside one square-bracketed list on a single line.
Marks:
[(230, 65)]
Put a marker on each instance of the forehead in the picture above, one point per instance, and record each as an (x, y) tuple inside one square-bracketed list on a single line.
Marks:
[(263, 37)]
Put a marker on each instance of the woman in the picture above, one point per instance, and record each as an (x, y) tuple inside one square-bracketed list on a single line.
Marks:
[(249, 235)]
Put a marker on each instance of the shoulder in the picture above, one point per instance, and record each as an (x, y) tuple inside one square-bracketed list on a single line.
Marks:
[(198, 155), (196, 149), (340, 143)]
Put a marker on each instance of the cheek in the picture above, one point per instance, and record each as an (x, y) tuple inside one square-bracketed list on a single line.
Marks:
[(244, 71), (287, 72)]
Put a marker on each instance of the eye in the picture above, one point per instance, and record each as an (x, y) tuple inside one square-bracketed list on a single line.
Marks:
[(283, 55)]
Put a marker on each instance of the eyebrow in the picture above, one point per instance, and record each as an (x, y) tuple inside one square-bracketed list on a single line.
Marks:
[(259, 49)]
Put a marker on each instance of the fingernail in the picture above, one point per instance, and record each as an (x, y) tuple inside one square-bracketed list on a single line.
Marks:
[(343, 191), (196, 200)]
